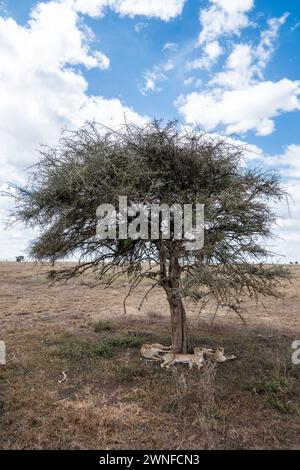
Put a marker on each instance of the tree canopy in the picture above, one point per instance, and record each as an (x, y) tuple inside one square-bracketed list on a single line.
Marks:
[(156, 164)]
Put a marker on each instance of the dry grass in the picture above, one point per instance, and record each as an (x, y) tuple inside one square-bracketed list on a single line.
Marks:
[(112, 399)]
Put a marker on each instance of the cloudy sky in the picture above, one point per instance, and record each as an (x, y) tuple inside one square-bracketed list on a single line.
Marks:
[(231, 66)]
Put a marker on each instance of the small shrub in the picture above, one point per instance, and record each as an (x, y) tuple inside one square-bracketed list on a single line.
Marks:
[(68, 349), (125, 341), (271, 386), (278, 404), (78, 350), (275, 392), (129, 373), (101, 350), (102, 325)]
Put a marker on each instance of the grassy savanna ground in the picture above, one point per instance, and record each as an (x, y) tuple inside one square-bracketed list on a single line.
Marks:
[(112, 399)]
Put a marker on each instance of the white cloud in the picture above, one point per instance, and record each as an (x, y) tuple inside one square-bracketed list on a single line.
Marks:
[(170, 46), (14, 242), (196, 82), (3, 7), (155, 76), (265, 48), (252, 108), (250, 151), (288, 224), (288, 162), (163, 9), (69, 42), (221, 18), (246, 63), (237, 97), (238, 71), (189, 81), (110, 112), (295, 26), (211, 52), (40, 90), (138, 27)]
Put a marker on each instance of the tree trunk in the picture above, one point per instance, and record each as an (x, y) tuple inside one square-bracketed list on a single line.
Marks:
[(180, 337)]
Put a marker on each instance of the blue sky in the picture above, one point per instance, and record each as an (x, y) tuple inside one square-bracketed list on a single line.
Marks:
[(231, 66)]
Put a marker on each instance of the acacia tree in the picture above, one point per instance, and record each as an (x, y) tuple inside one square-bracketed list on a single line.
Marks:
[(164, 165)]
